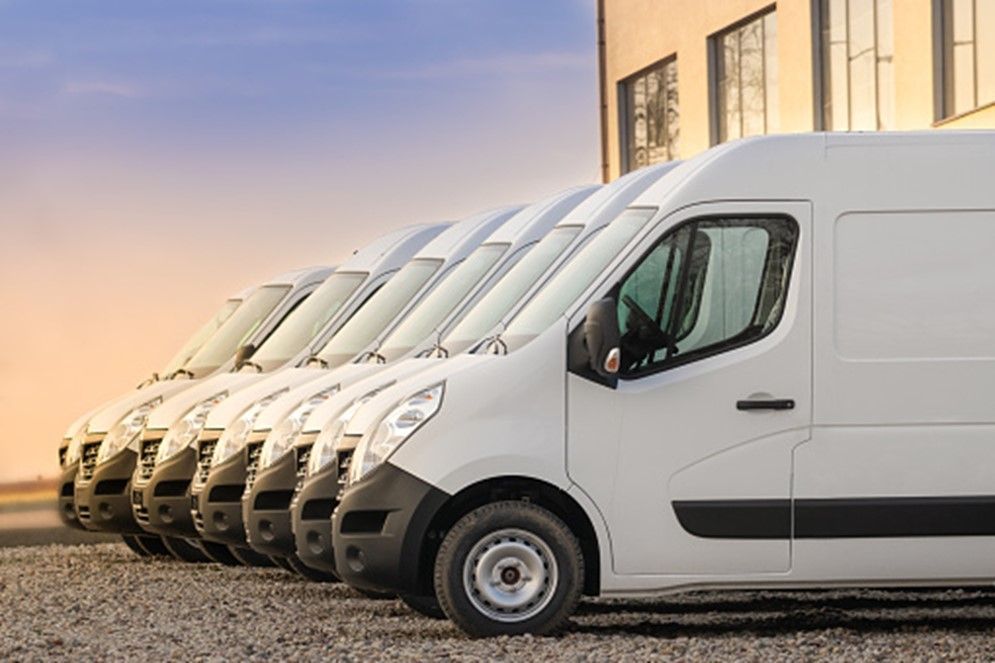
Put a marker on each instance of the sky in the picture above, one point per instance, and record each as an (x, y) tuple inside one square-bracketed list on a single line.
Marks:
[(158, 156)]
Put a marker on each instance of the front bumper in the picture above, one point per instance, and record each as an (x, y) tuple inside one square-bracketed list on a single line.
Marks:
[(67, 502), (379, 527), (216, 503), (311, 514), (266, 504), (160, 493), (102, 493)]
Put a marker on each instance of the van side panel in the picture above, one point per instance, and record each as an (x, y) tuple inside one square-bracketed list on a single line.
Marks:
[(898, 480)]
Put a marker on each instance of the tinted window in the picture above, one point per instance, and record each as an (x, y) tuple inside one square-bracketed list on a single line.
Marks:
[(200, 337)]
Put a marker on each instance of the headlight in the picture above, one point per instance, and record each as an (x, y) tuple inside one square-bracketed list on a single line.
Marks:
[(281, 438), (323, 451), (185, 431), (233, 439), (393, 430), (125, 432), (75, 447)]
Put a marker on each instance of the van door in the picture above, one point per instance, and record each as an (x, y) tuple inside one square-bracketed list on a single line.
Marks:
[(689, 456)]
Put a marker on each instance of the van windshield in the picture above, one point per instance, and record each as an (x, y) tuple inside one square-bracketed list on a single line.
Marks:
[(375, 316), (237, 329), (200, 337), (438, 304), (494, 305), (577, 276), (304, 324)]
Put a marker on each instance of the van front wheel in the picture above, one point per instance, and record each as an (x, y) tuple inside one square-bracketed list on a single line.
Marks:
[(509, 568)]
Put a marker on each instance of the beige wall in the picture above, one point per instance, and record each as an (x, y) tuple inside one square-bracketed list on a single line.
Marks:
[(640, 32)]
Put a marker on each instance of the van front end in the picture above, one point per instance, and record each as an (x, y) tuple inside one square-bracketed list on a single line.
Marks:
[(160, 490), (266, 503), (101, 488), (216, 495), (68, 466)]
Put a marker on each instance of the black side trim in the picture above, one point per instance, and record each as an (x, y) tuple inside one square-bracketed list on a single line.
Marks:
[(111, 487), (858, 517)]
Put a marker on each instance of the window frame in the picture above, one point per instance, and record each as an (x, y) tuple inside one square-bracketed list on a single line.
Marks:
[(721, 347), (943, 66), (714, 52), (625, 123)]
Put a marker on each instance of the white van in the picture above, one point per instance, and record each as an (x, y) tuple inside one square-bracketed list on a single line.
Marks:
[(325, 311), (773, 370), (270, 485), (115, 427), (329, 429), (180, 463), (69, 449)]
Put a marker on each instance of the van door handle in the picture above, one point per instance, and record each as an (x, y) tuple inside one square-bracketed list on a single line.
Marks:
[(766, 404)]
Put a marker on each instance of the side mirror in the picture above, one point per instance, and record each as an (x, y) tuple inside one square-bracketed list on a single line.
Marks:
[(601, 336), (243, 354)]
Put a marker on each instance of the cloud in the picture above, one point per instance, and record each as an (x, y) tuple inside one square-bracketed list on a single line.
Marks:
[(515, 64), (107, 88)]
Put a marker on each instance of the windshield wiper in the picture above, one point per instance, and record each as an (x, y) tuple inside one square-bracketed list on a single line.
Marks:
[(180, 371), (249, 362), (315, 359), (496, 345), (372, 354)]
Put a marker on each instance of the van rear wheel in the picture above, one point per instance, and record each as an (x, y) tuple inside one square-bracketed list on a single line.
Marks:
[(509, 568)]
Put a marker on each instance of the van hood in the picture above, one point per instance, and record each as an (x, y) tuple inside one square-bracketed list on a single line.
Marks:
[(105, 418), (360, 385), (435, 372), (228, 411), (179, 404)]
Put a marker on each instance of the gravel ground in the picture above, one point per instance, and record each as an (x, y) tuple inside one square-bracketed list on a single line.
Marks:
[(103, 602)]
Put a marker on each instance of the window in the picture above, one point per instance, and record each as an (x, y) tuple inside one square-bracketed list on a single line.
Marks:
[(650, 119), (745, 84), (968, 55), (709, 286), (858, 83)]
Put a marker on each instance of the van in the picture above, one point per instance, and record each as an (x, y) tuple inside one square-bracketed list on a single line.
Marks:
[(180, 465), (773, 370), (69, 449), (108, 441), (270, 485), (323, 449), (176, 422)]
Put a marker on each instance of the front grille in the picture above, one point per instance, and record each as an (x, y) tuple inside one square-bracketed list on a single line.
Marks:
[(342, 474), (62, 456), (205, 451), (303, 453), (88, 460), (84, 512), (198, 517), (146, 458), (252, 451)]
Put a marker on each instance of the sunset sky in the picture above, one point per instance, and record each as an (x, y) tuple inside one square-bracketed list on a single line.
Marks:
[(157, 156)]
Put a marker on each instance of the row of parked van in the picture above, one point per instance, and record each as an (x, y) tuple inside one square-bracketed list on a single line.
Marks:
[(770, 365)]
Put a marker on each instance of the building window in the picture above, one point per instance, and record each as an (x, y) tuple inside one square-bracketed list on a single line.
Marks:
[(968, 55), (745, 81), (858, 82), (650, 119)]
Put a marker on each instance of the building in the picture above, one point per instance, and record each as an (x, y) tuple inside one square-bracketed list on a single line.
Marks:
[(678, 76)]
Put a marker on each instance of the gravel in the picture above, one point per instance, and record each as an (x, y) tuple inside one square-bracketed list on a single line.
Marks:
[(103, 602)]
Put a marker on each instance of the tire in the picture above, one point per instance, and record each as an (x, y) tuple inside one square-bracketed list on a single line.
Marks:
[(374, 595), (281, 562), (426, 606), (249, 557), (305, 571), (535, 555), (184, 551), (219, 553), (134, 546), (153, 545)]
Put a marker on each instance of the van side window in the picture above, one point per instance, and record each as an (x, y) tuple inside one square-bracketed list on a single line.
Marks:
[(706, 287)]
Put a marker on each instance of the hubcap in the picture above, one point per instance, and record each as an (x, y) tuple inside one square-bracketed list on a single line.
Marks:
[(510, 575)]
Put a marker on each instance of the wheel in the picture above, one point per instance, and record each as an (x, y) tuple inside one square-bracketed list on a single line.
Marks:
[(134, 546), (427, 606), (373, 594), (219, 553), (182, 550), (249, 557), (281, 562), (305, 571), (509, 568), (153, 545)]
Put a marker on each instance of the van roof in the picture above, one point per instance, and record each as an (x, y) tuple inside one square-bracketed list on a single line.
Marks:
[(902, 170), (395, 247), (608, 202), (535, 220), (460, 238), (300, 277)]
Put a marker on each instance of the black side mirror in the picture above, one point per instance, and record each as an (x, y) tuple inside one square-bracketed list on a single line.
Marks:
[(601, 336), (243, 354)]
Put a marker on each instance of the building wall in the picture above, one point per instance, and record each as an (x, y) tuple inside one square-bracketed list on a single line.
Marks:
[(638, 33)]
